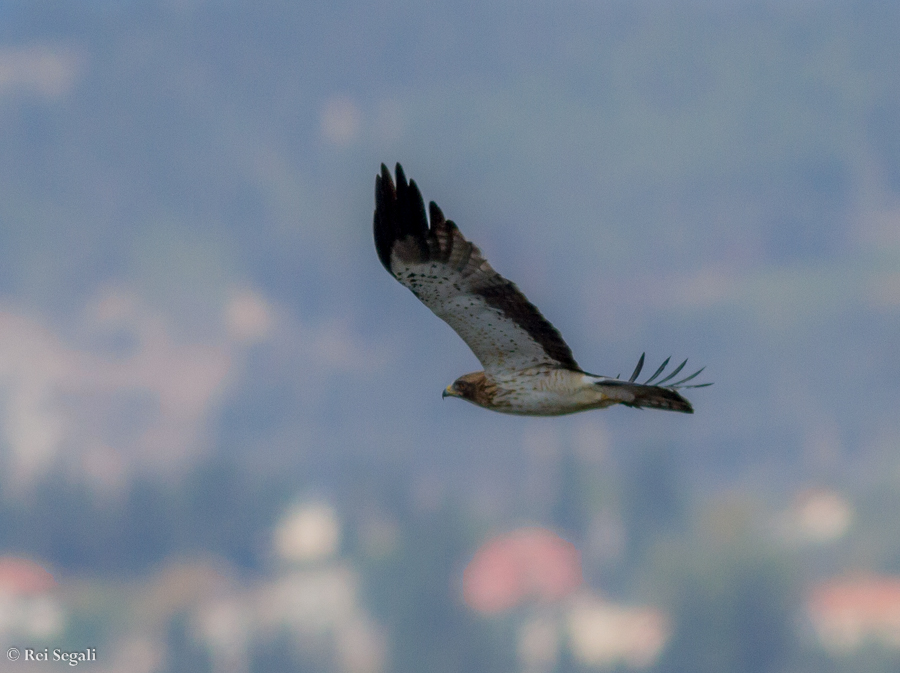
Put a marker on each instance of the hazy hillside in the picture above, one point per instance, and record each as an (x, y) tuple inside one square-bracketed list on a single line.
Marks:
[(188, 282)]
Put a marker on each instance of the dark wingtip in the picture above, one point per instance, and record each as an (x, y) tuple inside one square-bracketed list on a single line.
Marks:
[(435, 214), (383, 182), (399, 213), (385, 219)]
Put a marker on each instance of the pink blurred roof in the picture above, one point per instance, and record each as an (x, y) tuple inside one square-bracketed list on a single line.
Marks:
[(21, 576), (873, 597), (528, 563)]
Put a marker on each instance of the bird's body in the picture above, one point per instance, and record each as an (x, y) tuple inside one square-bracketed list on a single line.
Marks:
[(553, 391), (528, 368), (540, 390)]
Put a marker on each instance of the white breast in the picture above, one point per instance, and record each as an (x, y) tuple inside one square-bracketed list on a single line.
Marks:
[(547, 392)]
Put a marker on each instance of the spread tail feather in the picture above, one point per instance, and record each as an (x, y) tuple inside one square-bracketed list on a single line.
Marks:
[(656, 396), (639, 395)]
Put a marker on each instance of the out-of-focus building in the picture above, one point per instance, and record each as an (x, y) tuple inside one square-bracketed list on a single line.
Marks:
[(598, 634), (816, 516), (530, 567), (180, 588), (535, 576), (849, 613), (308, 607), (308, 532), (607, 635), (528, 563), (29, 606), (539, 641), (129, 395), (312, 601)]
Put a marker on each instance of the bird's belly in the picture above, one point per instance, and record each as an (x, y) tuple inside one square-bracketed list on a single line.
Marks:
[(548, 394)]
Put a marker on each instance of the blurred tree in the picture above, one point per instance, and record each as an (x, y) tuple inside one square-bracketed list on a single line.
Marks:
[(653, 496), (183, 653), (883, 122), (280, 655), (571, 512), (732, 602), (230, 510), (415, 593), (218, 507)]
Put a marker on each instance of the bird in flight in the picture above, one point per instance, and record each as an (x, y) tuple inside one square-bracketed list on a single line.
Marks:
[(528, 368)]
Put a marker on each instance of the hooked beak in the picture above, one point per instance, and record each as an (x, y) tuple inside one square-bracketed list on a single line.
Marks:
[(449, 392)]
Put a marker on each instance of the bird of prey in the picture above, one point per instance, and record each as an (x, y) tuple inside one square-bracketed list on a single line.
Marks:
[(528, 368)]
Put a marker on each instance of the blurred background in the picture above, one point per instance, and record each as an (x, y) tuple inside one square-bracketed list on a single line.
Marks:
[(222, 441)]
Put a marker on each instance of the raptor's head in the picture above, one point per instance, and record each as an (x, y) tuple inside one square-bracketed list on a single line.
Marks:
[(470, 387)]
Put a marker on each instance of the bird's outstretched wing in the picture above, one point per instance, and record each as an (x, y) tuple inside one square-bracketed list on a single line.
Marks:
[(449, 275)]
